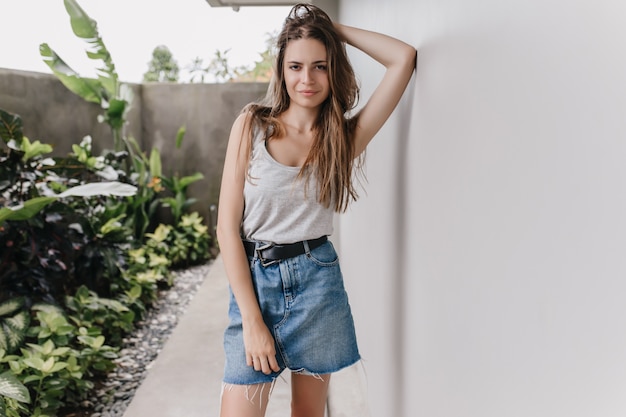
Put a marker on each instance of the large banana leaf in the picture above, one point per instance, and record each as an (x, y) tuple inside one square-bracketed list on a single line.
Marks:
[(100, 90), (87, 88), (33, 206), (86, 28)]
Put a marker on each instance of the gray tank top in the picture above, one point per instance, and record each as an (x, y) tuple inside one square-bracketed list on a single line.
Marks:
[(276, 208)]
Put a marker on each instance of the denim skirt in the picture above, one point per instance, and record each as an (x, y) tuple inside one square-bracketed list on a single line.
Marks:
[(305, 306)]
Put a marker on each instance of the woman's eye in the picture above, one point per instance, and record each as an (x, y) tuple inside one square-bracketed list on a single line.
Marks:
[(321, 67), (294, 67)]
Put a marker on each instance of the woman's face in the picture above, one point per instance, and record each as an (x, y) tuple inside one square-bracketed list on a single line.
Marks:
[(306, 73)]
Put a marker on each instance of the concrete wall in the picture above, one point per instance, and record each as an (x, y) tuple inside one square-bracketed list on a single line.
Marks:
[(54, 115), (486, 262), (208, 112)]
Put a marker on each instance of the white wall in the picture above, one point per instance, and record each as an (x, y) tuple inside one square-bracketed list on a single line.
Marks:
[(486, 264)]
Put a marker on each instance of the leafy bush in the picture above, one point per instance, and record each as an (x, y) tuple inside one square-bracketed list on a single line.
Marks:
[(59, 364), (100, 316), (81, 257)]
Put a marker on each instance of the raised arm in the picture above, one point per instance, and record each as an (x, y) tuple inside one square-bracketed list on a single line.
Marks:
[(399, 59)]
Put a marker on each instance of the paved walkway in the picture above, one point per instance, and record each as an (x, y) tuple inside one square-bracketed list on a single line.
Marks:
[(185, 379)]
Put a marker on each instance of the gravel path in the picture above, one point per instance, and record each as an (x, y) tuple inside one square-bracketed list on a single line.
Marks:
[(142, 346)]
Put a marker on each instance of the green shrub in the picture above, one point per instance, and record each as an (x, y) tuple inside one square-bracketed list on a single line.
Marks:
[(14, 321)]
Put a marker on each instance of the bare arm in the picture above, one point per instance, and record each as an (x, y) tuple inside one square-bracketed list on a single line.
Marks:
[(399, 60), (258, 341)]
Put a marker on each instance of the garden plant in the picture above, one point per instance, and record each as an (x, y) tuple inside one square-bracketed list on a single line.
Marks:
[(82, 253)]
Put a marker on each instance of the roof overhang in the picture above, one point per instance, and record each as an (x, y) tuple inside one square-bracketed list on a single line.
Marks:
[(235, 4)]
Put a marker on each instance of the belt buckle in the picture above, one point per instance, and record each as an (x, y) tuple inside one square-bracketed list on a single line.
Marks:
[(265, 262)]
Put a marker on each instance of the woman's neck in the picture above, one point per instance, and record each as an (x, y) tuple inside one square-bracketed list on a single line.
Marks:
[(301, 119)]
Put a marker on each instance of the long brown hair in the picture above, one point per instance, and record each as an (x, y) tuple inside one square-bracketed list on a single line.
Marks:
[(331, 159)]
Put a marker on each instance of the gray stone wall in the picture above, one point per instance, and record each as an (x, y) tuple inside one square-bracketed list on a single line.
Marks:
[(54, 115)]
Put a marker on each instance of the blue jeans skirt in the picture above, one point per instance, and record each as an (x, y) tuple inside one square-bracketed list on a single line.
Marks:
[(305, 306)]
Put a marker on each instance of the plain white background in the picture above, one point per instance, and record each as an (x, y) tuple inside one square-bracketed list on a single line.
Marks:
[(486, 261)]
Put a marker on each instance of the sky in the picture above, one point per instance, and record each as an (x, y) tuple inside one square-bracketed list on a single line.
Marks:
[(131, 29)]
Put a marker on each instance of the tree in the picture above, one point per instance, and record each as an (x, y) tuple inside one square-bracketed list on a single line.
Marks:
[(262, 69), (163, 67), (219, 69)]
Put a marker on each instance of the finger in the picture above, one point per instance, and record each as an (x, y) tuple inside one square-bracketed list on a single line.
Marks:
[(265, 367), (255, 363), (274, 364), (249, 360)]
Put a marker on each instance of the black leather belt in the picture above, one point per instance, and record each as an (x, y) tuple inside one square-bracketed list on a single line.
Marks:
[(270, 253)]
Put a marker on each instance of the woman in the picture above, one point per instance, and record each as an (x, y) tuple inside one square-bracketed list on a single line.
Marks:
[(289, 166)]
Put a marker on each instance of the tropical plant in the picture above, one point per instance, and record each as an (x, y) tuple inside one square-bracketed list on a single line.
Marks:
[(60, 367), (14, 322), (12, 392), (114, 97), (177, 186), (48, 230), (99, 316), (185, 244)]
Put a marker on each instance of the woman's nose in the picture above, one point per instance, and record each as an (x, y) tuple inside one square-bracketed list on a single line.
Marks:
[(306, 76)]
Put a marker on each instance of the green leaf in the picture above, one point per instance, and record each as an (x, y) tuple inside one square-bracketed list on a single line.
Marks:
[(48, 308), (12, 305), (86, 88), (31, 378), (26, 211), (98, 342), (58, 366), (19, 322), (116, 112), (180, 136), (86, 28), (82, 25), (60, 351), (10, 126), (33, 206), (11, 387), (4, 341), (48, 366), (155, 163), (47, 347), (35, 363), (34, 149), (100, 188), (185, 181)]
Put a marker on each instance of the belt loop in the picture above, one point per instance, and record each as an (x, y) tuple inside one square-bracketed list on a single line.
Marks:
[(256, 253), (305, 243)]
